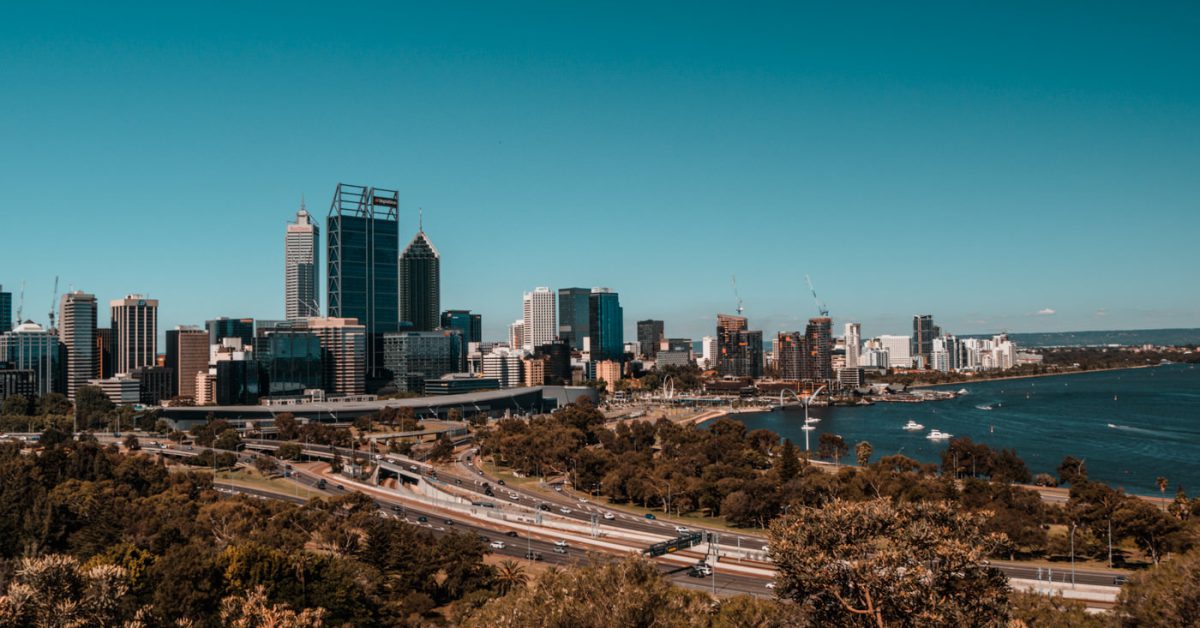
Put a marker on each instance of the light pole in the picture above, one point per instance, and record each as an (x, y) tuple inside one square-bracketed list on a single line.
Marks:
[(1072, 554)]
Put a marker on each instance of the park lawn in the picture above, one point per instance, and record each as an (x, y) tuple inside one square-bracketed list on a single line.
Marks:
[(252, 479)]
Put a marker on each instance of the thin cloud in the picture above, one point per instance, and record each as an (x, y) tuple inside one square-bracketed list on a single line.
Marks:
[(1046, 312)]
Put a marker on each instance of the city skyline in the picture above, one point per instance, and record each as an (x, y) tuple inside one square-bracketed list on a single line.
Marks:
[(1047, 200)]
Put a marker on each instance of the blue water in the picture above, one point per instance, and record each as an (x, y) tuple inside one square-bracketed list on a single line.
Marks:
[(1155, 421)]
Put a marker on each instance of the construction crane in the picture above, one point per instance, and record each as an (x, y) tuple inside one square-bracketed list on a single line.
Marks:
[(740, 309), (21, 302), (820, 306), (53, 301)]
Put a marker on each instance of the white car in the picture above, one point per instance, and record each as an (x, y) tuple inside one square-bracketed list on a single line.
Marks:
[(770, 585), (766, 548), (582, 500), (560, 543), (498, 545), (681, 530), (609, 516), (564, 510)]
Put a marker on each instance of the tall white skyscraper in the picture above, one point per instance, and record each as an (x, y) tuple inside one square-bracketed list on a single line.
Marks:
[(135, 332), (516, 334), (540, 323), (301, 297), (853, 341), (708, 346), (77, 331)]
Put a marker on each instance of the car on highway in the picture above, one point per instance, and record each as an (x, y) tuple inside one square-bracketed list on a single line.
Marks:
[(766, 548), (500, 482), (560, 550), (422, 519), (514, 496), (484, 538), (583, 500), (397, 508), (412, 467), (511, 533), (560, 543), (448, 522), (498, 545), (681, 530), (1120, 580), (558, 487), (700, 570), (321, 484), (545, 507), (609, 516), (770, 585), (531, 555), (650, 515), (340, 487), (564, 510)]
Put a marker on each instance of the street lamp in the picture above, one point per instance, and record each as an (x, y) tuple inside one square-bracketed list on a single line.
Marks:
[(1073, 525)]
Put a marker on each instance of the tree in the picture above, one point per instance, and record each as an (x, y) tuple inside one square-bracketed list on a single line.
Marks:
[(509, 576), (1072, 471), (1168, 595), (873, 563), (54, 590), (53, 403), (286, 426), (131, 443), (1151, 528), (288, 451), (1093, 504), (443, 451), (229, 439), (92, 405), (863, 451), (15, 405), (254, 610), (266, 465), (789, 462), (1162, 490), (832, 446)]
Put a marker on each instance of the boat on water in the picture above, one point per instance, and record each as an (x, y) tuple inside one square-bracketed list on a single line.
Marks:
[(936, 434), (811, 420), (963, 391), (983, 407), (913, 426), (808, 428)]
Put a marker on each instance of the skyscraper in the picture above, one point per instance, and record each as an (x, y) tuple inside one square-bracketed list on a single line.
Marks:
[(468, 324), (923, 334), (187, 354), (853, 341), (5, 310), (343, 352), (30, 346), (77, 331), (739, 350), (363, 247), (898, 348), (516, 334), (539, 318), (414, 357), (649, 335), (225, 327), (301, 267), (790, 347), (818, 339), (135, 332), (573, 321), (606, 326), (420, 287)]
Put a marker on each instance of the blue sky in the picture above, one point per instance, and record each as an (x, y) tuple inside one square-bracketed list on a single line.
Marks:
[(982, 162)]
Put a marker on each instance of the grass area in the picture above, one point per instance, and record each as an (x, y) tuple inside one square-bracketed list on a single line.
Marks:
[(252, 479)]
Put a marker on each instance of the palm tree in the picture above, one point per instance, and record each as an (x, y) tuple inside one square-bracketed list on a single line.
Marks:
[(510, 575), (1162, 488)]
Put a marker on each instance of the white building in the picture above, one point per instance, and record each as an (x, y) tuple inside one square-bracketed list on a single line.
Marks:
[(516, 334), (505, 366), (301, 295), (853, 342), (121, 389), (708, 348), (541, 325), (135, 332), (940, 358), (77, 331), (898, 348)]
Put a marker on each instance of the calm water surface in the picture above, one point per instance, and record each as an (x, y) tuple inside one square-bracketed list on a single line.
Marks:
[(1130, 426)]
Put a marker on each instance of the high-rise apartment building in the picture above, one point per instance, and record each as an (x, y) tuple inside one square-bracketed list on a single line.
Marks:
[(538, 307), (739, 350), (650, 337), (468, 324), (77, 331), (573, 322), (420, 287), (790, 350), (135, 332), (186, 355), (606, 321), (343, 354), (301, 267), (818, 339), (505, 366), (516, 334), (924, 331), (709, 351), (29, 346), (6, 314), (853, 342), (363, 248)]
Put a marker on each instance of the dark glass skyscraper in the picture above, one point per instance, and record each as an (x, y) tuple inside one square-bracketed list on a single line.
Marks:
[(420, 287), (739, 350), (468, 324), (607, 325), (224, 327), (291, 359), (364, 246), (5, 311), (573, 320), (924, 331), (649, 335)]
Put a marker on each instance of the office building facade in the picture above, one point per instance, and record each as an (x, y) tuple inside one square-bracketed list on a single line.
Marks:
[(898, 350), (924, 331), (650, 337), (573, 320), (420, 284), (818, 356), (363, 237), (6, 312), (464, 322), (135, 332), (606, 321), (852, 339), (538, 308), (29, 346), (301, 268), (77, 331), (415, 357), (504, 366), (290, 359), (343, 354), (221, 328), (186, 354), (739, 350)]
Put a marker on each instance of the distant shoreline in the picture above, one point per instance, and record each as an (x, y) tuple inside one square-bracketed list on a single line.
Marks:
[(1031, 376)]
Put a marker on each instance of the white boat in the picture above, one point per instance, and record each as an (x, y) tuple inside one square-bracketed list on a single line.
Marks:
[(808, 428), (936, 434), (962, 391), (983, 407), (811, 420), (913, 426)]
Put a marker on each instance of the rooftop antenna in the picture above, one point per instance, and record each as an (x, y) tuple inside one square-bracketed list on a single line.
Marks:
[(421, 219), (740, 309), (820, 306)]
